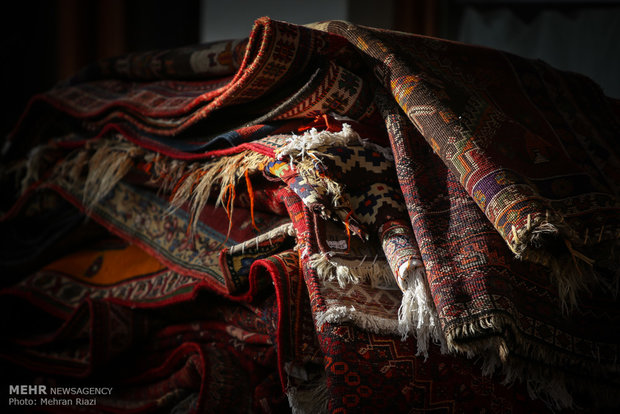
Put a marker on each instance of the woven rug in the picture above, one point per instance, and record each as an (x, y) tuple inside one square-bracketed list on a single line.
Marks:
[(112, 314), (283, 71), (523, 143), (531, 145), (328, 218)]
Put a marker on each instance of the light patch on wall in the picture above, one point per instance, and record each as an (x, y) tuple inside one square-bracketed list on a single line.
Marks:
[(583, 40), (233, 19)]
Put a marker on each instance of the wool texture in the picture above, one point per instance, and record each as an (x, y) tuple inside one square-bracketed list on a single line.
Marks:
[(321, 218)]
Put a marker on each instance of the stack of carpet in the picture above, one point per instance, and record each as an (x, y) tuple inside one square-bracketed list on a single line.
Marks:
[(323, 218)]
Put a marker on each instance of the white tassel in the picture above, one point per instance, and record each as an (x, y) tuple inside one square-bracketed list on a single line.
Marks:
[(344, 314), (343, 271), (417, 315), (300, 146)]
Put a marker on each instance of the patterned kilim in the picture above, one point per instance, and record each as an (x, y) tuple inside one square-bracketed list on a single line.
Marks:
[(322, 218), (532, 146)]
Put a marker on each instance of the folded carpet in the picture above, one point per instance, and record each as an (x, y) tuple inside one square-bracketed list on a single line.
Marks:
[(322, 218)]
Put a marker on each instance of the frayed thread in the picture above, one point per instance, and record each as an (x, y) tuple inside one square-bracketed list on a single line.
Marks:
[(345, 271), (496, 357), (97, 167), (300, 146), (92, 171), (540, 368), (417, 315), (549, 245), (304, 153), (106, 167), (197, 186), (343, 314), (34, 165)]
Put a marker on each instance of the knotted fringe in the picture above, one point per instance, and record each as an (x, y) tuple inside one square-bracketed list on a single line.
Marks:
[(343, 314), (298, 146), (309, 397), (550, 245), (417, 315), (344, 271), (541, 369), (304, 151)]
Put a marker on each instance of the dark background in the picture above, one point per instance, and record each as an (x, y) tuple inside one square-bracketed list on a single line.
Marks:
[(44, 41)]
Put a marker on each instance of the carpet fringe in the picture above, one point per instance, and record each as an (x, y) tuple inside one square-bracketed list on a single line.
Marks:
[(529, 363), (30, 169), (551, 245), (305, 153), (345, 271), (106, 167), (97, 167), (92, 170), (300, 146), (343, 314), (166, 172), (222, 175), (34, 165), (417, 315)]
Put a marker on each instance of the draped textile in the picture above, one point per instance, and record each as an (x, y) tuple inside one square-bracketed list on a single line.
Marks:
[(322, 218)]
